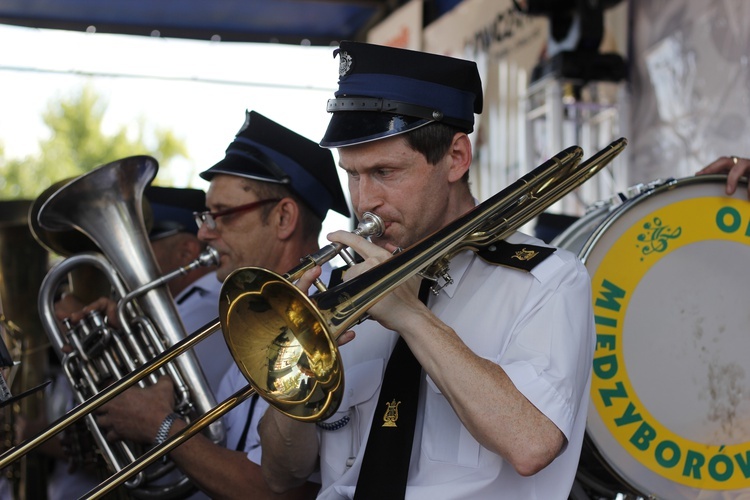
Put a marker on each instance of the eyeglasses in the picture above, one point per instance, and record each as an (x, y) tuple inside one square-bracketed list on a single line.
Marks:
[(209, 218)]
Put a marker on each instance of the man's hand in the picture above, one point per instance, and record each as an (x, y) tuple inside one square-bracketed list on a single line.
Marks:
[(103, 304), (67, 305), (304, 284), (137, 413), (733, 166), (396, 306)]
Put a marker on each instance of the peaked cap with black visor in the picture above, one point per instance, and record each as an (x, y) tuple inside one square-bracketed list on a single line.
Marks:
[(172, 210), (385, 91), (265, 151)]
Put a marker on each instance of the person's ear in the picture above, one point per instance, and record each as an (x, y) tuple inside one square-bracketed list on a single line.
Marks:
[(460, 154), (286, 214), (190, 249)]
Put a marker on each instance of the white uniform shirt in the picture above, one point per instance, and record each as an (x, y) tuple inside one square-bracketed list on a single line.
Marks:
[(246, 414), (197, 305), (62, 485), (537, 326)]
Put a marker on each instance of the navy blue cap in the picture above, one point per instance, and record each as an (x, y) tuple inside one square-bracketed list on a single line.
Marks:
[(172, 210), (385, 91), (265, 151)]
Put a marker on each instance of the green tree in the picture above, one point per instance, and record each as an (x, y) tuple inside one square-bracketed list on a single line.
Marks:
[(78, 144)]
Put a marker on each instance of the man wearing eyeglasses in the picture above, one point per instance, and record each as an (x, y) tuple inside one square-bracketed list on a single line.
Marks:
[(266, 204), (174, 241)]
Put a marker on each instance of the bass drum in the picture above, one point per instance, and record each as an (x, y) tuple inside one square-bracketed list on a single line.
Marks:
[(669, 414)]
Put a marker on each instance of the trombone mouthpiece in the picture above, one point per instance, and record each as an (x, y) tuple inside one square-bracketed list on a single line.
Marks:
[(370, 225), (209, 257)]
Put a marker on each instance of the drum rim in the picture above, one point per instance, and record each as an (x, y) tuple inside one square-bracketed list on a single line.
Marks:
[(653, 190)]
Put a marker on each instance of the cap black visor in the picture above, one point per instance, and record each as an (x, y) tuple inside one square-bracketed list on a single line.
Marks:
[(347, 128)]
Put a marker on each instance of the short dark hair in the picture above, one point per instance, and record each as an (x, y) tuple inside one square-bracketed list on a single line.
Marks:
[(433, 141), (311, 224)]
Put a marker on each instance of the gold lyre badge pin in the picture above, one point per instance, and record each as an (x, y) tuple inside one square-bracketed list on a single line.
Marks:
[(525, 254), (391, 414)]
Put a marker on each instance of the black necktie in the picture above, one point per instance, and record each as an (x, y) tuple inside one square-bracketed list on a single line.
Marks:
[(385, 465), (194, 290)]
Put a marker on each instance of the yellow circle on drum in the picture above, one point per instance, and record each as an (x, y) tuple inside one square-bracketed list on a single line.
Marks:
[(670, 388)]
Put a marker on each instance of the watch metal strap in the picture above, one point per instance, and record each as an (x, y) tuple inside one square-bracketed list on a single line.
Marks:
[(163, 432)]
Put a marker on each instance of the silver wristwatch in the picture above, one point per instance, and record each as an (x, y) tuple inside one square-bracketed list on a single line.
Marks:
[(163, 432)]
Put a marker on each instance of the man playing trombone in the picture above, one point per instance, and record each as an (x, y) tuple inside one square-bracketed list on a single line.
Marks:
[(266, 203), (497, 402)]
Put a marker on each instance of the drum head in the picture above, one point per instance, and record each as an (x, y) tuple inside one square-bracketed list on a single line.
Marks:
[(574, 237), (670, 396)]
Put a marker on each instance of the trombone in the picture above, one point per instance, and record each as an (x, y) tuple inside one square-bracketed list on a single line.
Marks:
[(295, 335)]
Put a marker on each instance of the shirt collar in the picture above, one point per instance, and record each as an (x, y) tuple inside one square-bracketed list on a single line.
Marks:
[(205, 283), (458, 266), (456, 270)]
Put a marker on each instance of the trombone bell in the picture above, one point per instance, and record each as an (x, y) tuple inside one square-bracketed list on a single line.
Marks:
[(290, 357)]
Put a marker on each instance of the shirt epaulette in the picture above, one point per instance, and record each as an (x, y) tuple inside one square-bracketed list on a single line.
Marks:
[(519, 256)]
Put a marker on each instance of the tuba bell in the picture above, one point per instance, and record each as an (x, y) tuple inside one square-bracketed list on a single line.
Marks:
[(106, 206)]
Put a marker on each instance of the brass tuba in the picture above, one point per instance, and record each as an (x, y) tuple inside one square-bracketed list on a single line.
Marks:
[(23, 264), (106, 205)]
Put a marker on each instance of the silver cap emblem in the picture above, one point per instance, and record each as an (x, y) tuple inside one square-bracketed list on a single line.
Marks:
[(345, 63)]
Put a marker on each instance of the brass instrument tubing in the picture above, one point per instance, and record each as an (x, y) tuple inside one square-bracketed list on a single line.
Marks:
[(170, 444), (113, 390), (370, 225)]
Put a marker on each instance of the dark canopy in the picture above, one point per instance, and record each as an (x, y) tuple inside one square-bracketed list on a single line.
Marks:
[(320, 22)]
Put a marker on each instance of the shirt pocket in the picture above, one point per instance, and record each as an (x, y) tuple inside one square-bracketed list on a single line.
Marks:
[(360, 390), (362, 382), (444, 437)]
